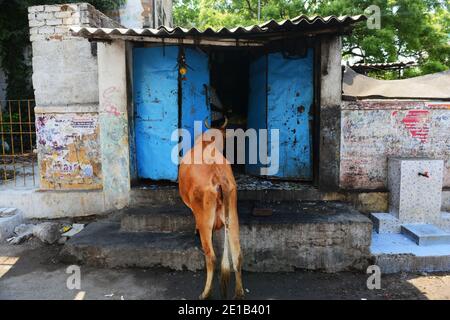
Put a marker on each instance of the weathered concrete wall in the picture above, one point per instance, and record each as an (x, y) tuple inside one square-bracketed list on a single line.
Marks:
[(64, 67), (114, 122), (166, 13), (374, 130), (65, 81), (330, 102), (51, 204), (142, 14)]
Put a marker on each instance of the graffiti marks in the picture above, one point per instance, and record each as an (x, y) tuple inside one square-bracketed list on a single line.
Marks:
[(373, 134), (109, 96), (417, 122)]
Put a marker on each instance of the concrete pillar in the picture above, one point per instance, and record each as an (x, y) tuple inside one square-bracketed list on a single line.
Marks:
[(114, 123), (66, 93), (330, 112)]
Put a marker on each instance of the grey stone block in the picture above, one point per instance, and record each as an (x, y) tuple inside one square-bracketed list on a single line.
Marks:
[(36, 23), (415, 187), (52, 8), (46, 30), (53, 22), (47, 232), (385, 223), (444, 223), (38, 37), (63, 14), (35, 9), (426, 234), (10, 218), (45, 16)]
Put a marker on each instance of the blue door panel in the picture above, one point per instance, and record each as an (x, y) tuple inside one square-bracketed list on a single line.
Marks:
[(257, 108), (155, 79), (194, 104), (289, 101)]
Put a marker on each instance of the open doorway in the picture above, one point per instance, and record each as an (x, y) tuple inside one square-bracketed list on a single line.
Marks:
[(229, 76), (261, 90), (273, 92)]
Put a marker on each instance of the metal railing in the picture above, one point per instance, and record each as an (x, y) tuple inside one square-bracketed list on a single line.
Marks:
[(18, 165)]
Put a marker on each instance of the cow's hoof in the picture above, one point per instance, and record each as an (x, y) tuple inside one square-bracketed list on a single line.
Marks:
[(239, 296), (204, 296)]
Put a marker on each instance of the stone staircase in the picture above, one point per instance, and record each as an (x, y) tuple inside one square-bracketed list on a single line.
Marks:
[(414, 236), (315, 235)]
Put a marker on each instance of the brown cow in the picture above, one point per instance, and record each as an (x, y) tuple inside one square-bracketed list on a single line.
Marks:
[(208, 188)]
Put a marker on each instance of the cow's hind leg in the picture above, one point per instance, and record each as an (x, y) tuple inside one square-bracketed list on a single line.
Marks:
[(205, 228), (235, 248), (236, 257), (210, 259)]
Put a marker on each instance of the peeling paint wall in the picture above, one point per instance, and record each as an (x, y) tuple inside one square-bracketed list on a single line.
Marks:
[(68, 145), (374, 130), (113, 120)]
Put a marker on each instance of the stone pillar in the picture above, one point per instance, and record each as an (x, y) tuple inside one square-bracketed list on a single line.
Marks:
[(114, 123), (65, 81), (415, 187), (415, 200), (330, 112)]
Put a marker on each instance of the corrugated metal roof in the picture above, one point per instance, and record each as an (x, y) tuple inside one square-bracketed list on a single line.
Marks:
[(300, 23), (384, 64)]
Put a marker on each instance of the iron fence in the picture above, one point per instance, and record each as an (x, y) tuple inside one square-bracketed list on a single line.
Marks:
[(18, 165)]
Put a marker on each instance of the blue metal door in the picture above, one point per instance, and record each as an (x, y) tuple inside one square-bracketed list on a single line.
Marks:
[(257, 106), (194, 95), (289, 100), (281, 97), (155, 81)]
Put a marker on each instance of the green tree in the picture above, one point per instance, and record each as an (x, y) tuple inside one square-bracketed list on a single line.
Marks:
[(15, 38), (410, 29)]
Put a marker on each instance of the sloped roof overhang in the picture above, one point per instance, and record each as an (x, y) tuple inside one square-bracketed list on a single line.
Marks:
[(256, 35)]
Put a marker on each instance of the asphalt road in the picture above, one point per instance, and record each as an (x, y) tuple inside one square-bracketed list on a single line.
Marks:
[(31, 271)]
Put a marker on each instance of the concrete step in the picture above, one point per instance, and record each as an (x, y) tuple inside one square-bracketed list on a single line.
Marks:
[(103, 244), (426, 234), (320, 235), (158, 219), (398, 253), (169, 195), (385, 223), (174, 218)]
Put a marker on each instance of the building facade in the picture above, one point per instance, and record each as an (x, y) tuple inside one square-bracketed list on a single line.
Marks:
[(109, 97)]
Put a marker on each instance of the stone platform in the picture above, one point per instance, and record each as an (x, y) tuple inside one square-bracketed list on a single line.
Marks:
[(316, 235), (398, 253)]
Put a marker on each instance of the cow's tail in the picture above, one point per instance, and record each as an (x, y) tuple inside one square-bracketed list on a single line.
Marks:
[(225, 265)]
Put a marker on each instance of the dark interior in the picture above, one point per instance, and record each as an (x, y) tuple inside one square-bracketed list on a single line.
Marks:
[(229, 76)]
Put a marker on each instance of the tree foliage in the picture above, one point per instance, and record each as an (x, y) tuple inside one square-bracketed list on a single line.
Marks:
[(415, 30), (15, 39)]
